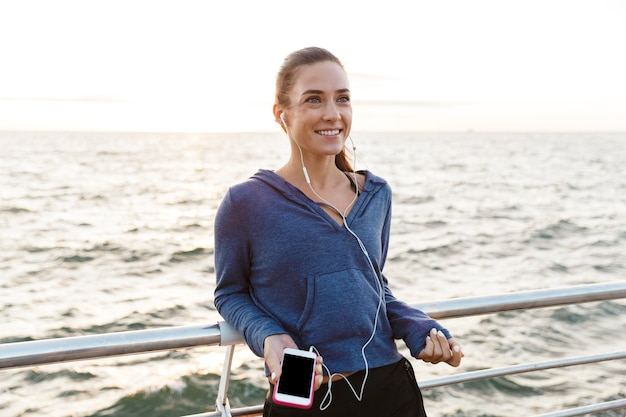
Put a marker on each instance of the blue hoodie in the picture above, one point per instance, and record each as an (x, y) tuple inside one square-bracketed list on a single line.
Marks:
[(283, 265)]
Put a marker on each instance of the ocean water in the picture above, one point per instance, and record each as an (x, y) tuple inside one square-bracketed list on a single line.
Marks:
[(105, 232)]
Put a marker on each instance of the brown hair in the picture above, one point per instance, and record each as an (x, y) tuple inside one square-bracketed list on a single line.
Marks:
[(287, 76)]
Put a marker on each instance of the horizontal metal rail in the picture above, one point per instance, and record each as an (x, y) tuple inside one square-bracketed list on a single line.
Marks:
[(254, 410), (39, 352), (524, 300), (588, 409), (257, 410), (519, 369)]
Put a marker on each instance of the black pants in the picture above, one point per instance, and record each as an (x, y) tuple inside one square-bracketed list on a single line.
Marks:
[(390, 391)]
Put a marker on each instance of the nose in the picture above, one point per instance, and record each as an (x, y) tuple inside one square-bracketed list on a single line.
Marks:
[(331, 112)]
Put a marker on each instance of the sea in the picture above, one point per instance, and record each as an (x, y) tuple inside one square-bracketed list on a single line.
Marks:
[(107, 232)]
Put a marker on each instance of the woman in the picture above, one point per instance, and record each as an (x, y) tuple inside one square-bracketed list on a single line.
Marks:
[(299, 254)]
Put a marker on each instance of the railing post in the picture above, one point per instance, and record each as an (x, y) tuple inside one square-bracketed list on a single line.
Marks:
[(229, 337), (221, 402)]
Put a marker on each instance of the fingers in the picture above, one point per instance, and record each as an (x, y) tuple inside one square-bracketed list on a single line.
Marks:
[(439, 349), (442, 350), (273, 347), (319, 373), (428, 350), (432, 350), (457, 353), (436, 349)]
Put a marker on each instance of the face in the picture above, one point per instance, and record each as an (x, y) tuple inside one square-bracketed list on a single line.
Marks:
[(320, 115)]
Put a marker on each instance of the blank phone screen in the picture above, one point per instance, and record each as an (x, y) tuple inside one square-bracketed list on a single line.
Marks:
[(297, 376)]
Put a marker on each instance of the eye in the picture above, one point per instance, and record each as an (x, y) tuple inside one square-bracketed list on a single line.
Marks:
[(313, 99), (343, 99)]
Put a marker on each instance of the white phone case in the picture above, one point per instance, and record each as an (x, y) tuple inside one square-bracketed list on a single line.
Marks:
[(294, 388)]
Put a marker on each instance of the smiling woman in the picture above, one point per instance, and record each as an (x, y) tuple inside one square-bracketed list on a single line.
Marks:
[(335, 222)]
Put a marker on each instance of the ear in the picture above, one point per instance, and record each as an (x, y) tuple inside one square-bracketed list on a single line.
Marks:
[(277, 109)]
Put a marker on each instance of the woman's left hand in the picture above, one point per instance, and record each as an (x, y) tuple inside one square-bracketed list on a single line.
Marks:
[(439, 349)]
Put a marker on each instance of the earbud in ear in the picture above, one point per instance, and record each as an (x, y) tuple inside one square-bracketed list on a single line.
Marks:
[(282, 119)]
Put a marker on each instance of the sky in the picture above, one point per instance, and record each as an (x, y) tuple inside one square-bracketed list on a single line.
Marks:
[(414, 65)]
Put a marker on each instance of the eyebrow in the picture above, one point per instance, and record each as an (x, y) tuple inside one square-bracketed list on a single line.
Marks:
[(340, 91)]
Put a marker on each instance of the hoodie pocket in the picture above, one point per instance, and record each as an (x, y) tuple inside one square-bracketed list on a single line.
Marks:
[(339, 305)]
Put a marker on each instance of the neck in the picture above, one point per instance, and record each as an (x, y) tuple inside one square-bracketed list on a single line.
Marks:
[(322, 182), (322, 172)]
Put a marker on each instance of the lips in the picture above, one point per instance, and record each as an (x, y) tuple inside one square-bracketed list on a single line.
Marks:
[(332, 132)]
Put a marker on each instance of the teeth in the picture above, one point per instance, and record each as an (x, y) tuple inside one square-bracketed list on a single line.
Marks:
[(328, 132)]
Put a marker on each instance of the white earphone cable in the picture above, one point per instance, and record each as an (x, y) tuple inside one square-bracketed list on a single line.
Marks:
[(327, 400)]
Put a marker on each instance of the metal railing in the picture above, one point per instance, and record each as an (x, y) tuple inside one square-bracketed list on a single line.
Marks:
[(40, 352)]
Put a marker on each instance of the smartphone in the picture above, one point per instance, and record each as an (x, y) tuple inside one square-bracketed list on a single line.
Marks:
[(294, 388)]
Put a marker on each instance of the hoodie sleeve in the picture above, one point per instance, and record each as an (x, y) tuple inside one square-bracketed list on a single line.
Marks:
[(410, 324), (407, 323), (232, 270)]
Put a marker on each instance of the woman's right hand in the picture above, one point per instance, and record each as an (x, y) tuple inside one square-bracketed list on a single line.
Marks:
[(273, 347)]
